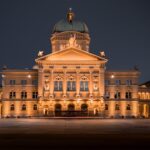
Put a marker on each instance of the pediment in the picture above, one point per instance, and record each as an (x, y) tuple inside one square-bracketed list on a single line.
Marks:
[(71, 54)]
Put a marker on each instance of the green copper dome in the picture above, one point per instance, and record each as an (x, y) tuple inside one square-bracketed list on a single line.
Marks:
[(65, 25)]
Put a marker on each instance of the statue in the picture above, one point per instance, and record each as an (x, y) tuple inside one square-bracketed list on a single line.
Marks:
[(72, 41), (46, 86), (40, 53), (95, 86)]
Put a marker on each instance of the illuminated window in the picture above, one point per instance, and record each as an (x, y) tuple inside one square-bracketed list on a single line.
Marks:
[(24, 107), (12, 107), (23, 95), (117, 95), (84, 86), (12, 95), (71, 86), (128, 95), (128, 107), (107, 94), (117, 107), (58, 86), (23, 82), (34, 107), (12, 82), (34, 95)]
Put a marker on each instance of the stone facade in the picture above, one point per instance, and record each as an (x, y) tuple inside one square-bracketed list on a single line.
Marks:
[(71, 81)]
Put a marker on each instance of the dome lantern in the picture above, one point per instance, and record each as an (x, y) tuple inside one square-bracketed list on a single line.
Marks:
[(70, 15)]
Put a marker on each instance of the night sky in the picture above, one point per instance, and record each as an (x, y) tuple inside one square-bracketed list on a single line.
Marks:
[(120, 27)]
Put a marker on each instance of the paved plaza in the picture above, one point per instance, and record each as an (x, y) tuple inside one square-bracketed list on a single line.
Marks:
[(74, 133), (75, 126)]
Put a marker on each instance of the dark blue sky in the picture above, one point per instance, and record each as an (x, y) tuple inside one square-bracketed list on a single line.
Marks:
[(120, 27)]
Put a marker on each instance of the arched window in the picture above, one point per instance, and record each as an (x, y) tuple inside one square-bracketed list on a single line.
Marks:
[(117, 107), (58, 107), (106, 106), (12, 107), (128, 107), (35, 107), (24, 107), (84, 107), (71, 85)]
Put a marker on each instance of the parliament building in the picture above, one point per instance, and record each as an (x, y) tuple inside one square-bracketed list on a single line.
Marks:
[(71, 81)]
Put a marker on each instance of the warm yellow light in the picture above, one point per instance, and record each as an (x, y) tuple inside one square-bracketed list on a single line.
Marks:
[(29, 76), (112, 76)]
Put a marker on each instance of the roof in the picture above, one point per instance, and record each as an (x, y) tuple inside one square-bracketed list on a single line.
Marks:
[(64, 25)]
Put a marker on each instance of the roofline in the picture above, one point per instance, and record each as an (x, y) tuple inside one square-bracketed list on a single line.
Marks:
[(18, 70), (104, 59)]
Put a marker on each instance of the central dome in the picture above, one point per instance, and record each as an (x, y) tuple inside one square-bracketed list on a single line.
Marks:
[(77, 26), (70, 25)]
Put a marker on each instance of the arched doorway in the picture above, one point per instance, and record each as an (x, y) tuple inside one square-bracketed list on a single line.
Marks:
[(71, 107), (96, 112), (84, 110), (46, 110), (71, 110), (58, 110)]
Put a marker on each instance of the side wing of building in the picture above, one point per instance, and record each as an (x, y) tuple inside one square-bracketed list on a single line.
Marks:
[(19, 93), (121, 93)]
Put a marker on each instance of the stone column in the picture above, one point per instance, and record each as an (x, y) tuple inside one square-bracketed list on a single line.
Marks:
[(91, 84), (101, 82), (52, 83), (77, 82), (64, 84), (40, 82)]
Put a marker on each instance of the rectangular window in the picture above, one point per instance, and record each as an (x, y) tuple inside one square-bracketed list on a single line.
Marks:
[(128, 82), (107, 82), (12, 82), (35, 82), (23, 95), (71, 86), (117, 95), (23, 82), (84, 86), (12, 95), (58, 86), (12, 107), (107, 95), (118, 82), (34, 95), (128, 95)]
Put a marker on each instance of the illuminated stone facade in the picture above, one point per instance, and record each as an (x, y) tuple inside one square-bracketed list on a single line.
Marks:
[(70, 81)]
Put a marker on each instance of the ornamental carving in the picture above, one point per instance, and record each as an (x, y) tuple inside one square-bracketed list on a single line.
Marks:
[(72, 42)]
